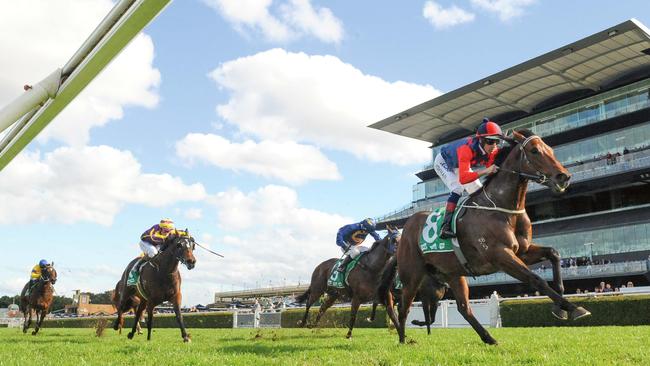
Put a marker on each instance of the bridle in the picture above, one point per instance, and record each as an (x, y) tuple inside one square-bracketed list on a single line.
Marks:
[(539, 178)]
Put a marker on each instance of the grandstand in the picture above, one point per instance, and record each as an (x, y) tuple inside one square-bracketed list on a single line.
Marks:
[(247, 297), (590, 101)]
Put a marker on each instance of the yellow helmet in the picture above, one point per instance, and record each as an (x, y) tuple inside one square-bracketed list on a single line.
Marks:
[(166, 224)]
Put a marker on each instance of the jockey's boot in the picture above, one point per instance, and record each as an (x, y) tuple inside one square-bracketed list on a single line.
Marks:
[(344, 264), (445, 230), (134, 273)]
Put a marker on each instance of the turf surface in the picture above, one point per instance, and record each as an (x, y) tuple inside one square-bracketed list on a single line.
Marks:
[(518, 346)]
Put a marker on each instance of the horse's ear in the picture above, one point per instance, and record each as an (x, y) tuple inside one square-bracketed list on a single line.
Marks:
[(518, 137)]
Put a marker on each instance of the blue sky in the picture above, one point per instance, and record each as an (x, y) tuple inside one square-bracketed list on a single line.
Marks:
[(245, 122)]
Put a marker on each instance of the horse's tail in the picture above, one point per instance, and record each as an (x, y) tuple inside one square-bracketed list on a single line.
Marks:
[(302, 298), (386, 281)]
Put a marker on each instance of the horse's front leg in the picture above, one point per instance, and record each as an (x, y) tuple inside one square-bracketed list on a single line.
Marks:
[(353, 315), (138, 314), (179, 317), (515, 267), (537, 253), (460, 289), (28, 319), (40, 316)]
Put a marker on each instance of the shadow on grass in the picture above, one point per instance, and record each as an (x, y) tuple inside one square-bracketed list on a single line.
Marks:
[(275, 349)]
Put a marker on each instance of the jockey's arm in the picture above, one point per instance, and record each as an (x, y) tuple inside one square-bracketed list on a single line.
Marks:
[(465, 175), (375, 235), (339, 238), (36, 272)]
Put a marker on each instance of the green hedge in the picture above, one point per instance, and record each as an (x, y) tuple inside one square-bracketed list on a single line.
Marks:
[(605, 310), (201, 320), (336, 317)]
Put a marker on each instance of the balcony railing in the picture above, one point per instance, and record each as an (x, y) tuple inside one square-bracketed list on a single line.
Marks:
[(602, 270)]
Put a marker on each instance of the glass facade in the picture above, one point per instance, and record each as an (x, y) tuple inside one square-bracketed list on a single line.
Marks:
[(622, 239)]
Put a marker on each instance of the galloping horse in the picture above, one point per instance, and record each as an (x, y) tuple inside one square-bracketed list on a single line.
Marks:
[(494, 234), (39, 299), (159, 281), (362, 280)]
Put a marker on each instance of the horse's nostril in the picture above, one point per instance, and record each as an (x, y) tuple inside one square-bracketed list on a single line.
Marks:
[(562, 178)]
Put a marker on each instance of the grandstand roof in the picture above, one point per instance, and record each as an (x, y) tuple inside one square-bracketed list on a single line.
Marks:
[(595, 63)]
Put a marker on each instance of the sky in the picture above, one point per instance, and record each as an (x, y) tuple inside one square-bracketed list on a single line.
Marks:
[(244, 121)]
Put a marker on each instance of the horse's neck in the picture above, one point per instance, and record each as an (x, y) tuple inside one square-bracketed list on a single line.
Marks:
[(376, 258), (167, 262), (507, 189)]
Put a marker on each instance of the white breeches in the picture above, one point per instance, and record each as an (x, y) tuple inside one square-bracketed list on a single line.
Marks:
[(148, 249), (355, 251), (450, 178)]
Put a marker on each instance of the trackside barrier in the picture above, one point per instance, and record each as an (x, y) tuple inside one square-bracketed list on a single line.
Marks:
[(256, 319), (447, 315)]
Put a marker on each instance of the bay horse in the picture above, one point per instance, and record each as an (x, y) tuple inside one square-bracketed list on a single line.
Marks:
[(494, 234), (362, 280), (39, 299), (159, 281)]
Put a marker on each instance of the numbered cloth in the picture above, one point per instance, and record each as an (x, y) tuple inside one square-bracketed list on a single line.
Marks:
[(430, 242), (338, 279)]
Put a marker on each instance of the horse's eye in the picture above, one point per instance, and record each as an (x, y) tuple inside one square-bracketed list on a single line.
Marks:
[(534, 151)]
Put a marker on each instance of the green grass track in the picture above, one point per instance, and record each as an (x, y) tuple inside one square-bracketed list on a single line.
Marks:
[(518, 346)]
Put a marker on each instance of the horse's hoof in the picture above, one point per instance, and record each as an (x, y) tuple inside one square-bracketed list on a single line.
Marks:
[(130, 335), (579, 312), (560, 313), (187, 340), (370, 320), (34, 332), (348, 336), (491, 341)]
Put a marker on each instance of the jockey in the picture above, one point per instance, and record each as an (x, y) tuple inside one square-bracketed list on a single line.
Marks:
[(150, 240), (455, 161), (36, 273), (350, 237)]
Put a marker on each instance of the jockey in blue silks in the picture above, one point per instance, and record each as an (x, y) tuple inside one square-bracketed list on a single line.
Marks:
[(350, 237), (455, 161)]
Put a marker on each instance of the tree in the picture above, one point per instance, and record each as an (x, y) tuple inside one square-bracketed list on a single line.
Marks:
[(5, 301), (59, 302), (102, 298)]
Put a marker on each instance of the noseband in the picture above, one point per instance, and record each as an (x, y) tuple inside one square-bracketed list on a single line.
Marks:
[(537, 178)]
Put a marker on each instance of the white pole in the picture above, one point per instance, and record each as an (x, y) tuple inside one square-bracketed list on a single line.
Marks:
[(37, 94)]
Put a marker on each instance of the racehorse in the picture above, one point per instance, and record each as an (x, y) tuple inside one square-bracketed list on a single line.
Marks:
[(430, 293), (39, 299), (159, 281), (494, 234), (362, 281)]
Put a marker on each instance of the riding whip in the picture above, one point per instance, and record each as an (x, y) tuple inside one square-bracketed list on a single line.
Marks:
[(209, 250)]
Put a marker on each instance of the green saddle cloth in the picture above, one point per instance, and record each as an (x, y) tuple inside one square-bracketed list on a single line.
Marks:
[(430, 241), (340, 279)]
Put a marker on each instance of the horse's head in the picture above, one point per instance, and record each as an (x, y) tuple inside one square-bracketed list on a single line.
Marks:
[(392, 238), (48, 274), (538, 162), (183, 247)]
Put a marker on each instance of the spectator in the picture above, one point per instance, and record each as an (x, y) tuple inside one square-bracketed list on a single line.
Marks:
[(626, 151), (630, 284), (602, 285), (609, 158), (578, 291), (608, 288)]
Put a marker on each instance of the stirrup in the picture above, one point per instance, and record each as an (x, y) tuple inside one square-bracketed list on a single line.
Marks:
[(447, 234)]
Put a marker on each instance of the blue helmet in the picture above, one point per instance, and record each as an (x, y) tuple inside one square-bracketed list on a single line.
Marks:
[(43, 263), (368, 224)]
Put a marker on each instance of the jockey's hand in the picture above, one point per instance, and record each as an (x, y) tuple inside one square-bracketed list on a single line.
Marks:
[(490, 170)]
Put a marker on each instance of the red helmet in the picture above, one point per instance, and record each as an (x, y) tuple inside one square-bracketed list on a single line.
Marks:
[(488, 128)]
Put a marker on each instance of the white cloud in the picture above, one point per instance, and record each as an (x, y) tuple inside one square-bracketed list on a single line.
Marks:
[(442, 18), (42, 36), (193, 213), (288, 161), (89, 184), (295, 18), (266, 236), (283, 96), (504, 9)]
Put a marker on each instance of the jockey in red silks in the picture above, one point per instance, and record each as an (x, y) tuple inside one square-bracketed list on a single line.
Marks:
[(454, 166)]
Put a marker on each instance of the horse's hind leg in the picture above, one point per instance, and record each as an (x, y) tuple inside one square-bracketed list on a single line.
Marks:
[(411, 285), (537, 253), (331, 298), (40, 316), (513, 266), (313, 296), (461, 292)]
